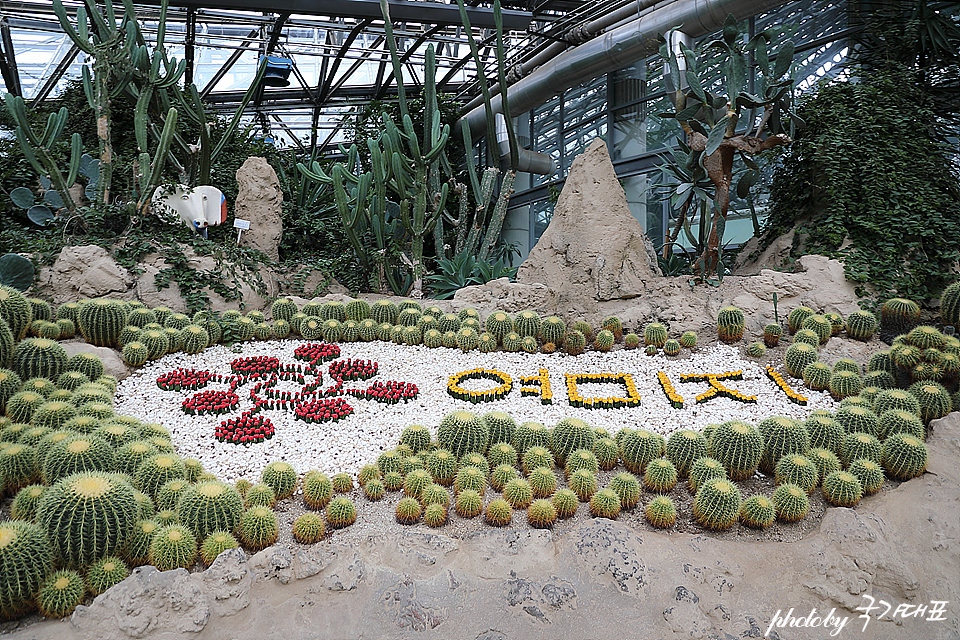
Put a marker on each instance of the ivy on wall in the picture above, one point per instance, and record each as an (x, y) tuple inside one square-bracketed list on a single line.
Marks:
[(866, 182)]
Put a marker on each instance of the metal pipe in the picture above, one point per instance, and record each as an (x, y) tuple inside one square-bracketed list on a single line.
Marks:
[(616, 49)]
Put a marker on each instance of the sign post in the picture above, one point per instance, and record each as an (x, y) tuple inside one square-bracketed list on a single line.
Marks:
[(240, 226)]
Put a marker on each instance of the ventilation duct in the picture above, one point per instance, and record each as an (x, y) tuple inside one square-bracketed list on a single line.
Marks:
[(610, 51)]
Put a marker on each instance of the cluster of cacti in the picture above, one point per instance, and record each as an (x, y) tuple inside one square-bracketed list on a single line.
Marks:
[(797, 469), (797, 316)]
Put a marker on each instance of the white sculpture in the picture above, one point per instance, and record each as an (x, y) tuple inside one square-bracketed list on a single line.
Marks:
[(197, 207)]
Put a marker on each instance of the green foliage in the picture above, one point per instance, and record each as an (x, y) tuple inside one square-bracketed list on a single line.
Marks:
[(883, 183)]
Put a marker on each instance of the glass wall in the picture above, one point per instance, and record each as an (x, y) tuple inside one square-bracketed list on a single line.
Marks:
[(622, 107)]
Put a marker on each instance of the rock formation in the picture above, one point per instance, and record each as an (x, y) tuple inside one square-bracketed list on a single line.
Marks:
[(87, 271), (260, 200), (594, 247)]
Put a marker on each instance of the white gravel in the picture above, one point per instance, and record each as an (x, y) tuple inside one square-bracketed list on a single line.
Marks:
[(350, 443)]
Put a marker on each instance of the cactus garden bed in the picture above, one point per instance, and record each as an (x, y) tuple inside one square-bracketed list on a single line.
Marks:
[(357, 425)]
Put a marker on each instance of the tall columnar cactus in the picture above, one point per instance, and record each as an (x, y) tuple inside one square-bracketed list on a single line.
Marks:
[(87, 516)]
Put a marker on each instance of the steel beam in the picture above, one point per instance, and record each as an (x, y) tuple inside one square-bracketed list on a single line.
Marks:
[(232, 60), (54, 77), (8, 60), (400, 10)]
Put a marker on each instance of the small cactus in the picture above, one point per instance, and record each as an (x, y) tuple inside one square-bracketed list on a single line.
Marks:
[(605, 503), (499, 512), (60, 594), (771, 335), (791, 502), (408, 510), (469, 504), (757, 512), (172, 547), (281, 477), (717, 504), (317, 491), (756, 350), (661, 512), (627, 487), (106, 573), (660, 475), (215, 544), (799, 470), (518, 493), (842, 489), (565, 501), (730, 324), (655, 334), (869, 473), (904, 456)]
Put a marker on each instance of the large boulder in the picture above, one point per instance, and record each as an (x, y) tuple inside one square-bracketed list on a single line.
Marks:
[(260, 200), (84, 271), (593, 248)]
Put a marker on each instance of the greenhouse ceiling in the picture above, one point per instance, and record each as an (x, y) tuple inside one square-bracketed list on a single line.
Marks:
[(340, 59)]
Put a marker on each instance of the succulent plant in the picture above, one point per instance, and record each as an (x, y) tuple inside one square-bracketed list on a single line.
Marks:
[(730, 324), (627, 487), (704, 469), (583, 484), (738, 446), (654, 333), (462, 431), (837, 323), (797, 357), (791, 502), (574, 342), (206, 507), (169, 494), (688, 339), (820, 325), (605, 339), (342, 482), (101, 320), (869, 473), (904, 456), (87, 516), (530, 434), (896, 399), (543, 482), (781, 436), (76, 454), (639, 447), (173, 546), (60, 594), (857, 445), (684, 446), (219, 541), (858, 419), (442, 465), (717, 504), (502, 453), (757, 512), (816, 376), (156, 471), (87, 364), (844, 384), (842, 489), (536, 456), (416, 480), (797, 469), (408, 510), (137, 548), (933, 399), (281, 477), (393, 480), (39, 357), (417, 437), (258, 528), (502, 474), (518, 493), (24, 505), (469, 504), (899, 315), (18, 467), (806, 336), (895, 421), (631, 341), (605, 503), (797, 316), (861, 325), (317, 491), (105, 573), (499, 513), (25, 561), (166, 517)]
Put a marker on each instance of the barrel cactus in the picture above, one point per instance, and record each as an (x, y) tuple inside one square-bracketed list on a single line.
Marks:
[(527, 323), (25, 561), (605, 339), (738, 446), (100, 321), (469, 504), (660, 475), (895, 421), (798, 356), (258, 528), (105, 573), (791, 502), (654, 333), (842, 489), (704, 469), (661, 512), (281, 477), (605, 503), (442, 465), (861, 325), (87, 516), (15, 311), (717, 504), (933, 399), (530, 434), (639, 447), (39, 357), (757, 512), (628, 488), (583, 483), (820, 325), (684, 446), (518, 493), (781, 436), (869, 473), (206, 507), (60, 594), (317, 491), (574, 342), (461, 432), (77, 454), (899, 315), (904, 456), (173, 546), (799, 470)]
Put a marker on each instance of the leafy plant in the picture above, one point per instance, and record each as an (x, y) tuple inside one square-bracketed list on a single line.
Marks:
[(16, 271), (703, 168), (464, 270)]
